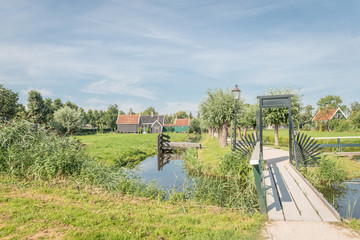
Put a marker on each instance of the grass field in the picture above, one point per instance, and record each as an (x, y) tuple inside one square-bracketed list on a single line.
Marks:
[(62, 210), (114, 148)]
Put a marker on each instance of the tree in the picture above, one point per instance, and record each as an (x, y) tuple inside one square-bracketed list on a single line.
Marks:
[(111, 116), (181, 114), (36, 106), (307, 114), (168, 118), (190, 115), (57, 104), (48, 110), (8, 103), (217, 110), (20, 111), (354, 109), (356, 120), (89, 117), (277, 116), (67, 119), (248, 117), (332, 101), (148, 111), (71, 105), (195, 125)]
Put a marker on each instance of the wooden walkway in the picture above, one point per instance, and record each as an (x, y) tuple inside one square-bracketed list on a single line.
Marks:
[(289, 196)]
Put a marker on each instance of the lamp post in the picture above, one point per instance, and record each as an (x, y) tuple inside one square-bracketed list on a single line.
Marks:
[(236, 95)]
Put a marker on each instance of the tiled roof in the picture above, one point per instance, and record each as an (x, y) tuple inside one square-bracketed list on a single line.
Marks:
[(325, 115), (127, 119), (151, 120), (182, 122)]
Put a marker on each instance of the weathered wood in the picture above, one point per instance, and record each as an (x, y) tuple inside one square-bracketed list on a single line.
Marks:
[(274, 208), (298, 198)]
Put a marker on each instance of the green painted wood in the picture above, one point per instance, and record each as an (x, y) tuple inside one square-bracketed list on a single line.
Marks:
[(260, 189)]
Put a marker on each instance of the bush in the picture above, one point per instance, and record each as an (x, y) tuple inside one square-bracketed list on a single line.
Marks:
[(31, 151), (67, 120), (329, 172), (343, 126)]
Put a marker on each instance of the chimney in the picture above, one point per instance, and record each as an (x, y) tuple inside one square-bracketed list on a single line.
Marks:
[(152, 114), (130, 112)]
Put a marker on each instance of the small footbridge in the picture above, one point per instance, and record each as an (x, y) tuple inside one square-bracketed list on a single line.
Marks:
[(283, 192)]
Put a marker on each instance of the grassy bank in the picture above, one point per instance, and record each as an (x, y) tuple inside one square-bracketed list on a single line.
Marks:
[(50, 187), (120, 149), (62, 210)]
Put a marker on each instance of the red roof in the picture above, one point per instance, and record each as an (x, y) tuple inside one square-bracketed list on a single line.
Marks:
[(182, 122), (325, 115), (127, 119)]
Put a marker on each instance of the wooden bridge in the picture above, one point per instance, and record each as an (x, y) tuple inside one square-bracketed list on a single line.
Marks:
[(289, 196)]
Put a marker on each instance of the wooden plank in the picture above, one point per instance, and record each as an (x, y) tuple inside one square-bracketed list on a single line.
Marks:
[(323, 211), (305, 208), (272, 199), (289, 208)]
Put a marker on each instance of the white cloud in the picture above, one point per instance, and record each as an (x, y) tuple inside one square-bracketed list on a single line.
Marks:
[(44, 92), (119, 88), (173, 107)]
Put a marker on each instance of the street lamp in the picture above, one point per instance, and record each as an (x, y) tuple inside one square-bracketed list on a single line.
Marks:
[(236, 95)]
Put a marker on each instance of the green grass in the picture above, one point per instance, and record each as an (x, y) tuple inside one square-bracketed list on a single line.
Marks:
[(123, 148), (210, 157), (63, 210), (284, 139)]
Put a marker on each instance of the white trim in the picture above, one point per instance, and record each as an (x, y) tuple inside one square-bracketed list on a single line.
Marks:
[(340, 111), (158, 122)]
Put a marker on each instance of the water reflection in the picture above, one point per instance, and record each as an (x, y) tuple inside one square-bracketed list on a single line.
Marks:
[(164, 159), (167, 170), (345, 198)]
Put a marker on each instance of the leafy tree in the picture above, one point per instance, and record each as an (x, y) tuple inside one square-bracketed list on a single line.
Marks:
[(217, 110), (83, 116), (71, 105), (67, 119), (277, 116), (333, 102), (190, 115), (20, 111), (90, 117), (356, 120), (307, 114), (148, 111), (36, 106), (169, 118), (48, 110), (195, 125), (111, 116), (249, 117), (8, 103), (181, 114), (354, 109), (57, 104)]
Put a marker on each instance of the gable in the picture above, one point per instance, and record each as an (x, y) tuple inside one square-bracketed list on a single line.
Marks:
[(128, 119)]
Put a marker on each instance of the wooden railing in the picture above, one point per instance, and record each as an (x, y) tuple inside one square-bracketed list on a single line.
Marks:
[(338, 145), (256, 163)]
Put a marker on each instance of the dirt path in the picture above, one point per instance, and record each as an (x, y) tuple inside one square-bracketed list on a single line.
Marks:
[(301, 230)]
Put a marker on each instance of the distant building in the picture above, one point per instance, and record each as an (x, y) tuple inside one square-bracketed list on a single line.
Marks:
[(181, 125), (328, 115), (136, 123)]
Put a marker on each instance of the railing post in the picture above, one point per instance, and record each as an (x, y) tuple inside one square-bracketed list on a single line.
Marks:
[(256, 162), (338, 140)]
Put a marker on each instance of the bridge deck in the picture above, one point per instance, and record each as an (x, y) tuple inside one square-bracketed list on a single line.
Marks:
[(289, 196)]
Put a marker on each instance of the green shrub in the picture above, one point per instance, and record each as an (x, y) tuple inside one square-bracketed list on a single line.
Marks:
[(343, 126), (328, 172)]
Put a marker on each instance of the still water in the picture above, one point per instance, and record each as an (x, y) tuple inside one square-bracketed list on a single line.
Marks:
[(168, 171), (345, 197)]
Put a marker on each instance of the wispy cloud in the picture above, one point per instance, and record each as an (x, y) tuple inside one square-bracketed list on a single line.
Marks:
[(44, 92), (173, 107)]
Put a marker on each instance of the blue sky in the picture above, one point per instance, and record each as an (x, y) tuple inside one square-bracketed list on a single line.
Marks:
[(167, 53)]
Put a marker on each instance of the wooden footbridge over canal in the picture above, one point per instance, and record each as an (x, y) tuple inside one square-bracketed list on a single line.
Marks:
[(283, 192)]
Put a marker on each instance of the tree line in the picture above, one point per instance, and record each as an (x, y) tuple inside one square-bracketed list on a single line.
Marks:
[(66, 117), (217, 114)]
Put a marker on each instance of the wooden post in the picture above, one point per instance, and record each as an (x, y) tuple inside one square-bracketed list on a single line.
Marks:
[(338, 140), (259, 188)]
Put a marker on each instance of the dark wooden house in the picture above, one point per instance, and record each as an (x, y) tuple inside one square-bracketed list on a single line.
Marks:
[(128, 123)]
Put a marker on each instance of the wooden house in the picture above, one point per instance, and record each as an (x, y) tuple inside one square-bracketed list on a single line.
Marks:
[(138, 123), (181, 125), (327, 114)]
